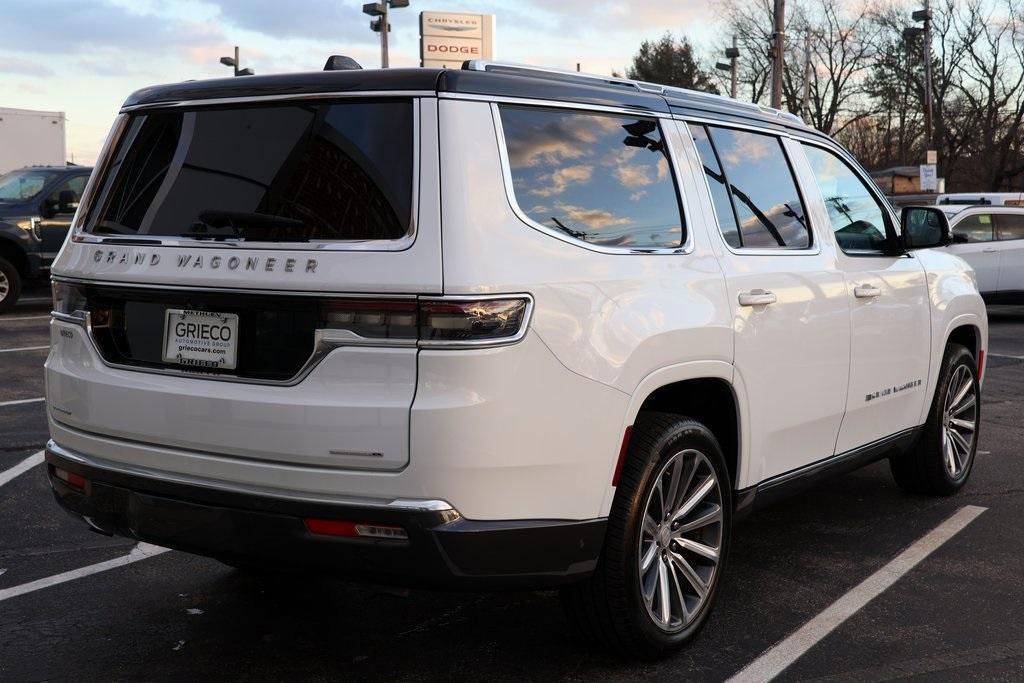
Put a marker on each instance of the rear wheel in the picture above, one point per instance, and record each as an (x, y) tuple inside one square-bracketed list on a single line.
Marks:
[(10, 285), (941, 461), (667, 540)]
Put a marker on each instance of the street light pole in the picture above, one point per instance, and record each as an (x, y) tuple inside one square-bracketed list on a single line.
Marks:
[(928, 121), (732, 60), (778, 49), (385, 28), (804, 109)]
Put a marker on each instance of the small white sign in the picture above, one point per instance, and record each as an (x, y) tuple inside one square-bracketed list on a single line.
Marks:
[(447, 39), (931, 157), (929, 178)]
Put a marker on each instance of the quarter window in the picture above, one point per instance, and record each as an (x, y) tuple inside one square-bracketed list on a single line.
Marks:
[(1011, 226), (766, 210), (976, 228), (598, 178), (858, 219)]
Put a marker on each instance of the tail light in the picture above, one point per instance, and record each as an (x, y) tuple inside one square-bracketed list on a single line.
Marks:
[(436, 323), (69, 300), (75, 481)]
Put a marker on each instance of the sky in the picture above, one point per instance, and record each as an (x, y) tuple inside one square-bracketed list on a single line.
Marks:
[(84, 57)]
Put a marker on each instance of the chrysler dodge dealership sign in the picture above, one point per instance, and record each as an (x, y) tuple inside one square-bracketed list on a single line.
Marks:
[(448, 39)]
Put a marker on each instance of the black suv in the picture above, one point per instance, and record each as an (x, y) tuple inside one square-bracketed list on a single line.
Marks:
[(36, 208)]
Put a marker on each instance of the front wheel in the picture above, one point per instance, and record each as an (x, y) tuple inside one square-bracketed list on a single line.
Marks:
[(666, 544), (941, 461), (10, 285)]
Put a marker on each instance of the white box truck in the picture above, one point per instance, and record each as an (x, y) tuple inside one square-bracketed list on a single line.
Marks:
[(31, 138)]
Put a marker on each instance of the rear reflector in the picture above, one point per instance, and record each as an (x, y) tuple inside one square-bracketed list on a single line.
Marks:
[(75, 481), (336, 527), (623, 450), (981, 363)]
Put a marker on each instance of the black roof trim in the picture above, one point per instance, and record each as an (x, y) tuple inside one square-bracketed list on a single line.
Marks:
[(496, 81), (311, 82)]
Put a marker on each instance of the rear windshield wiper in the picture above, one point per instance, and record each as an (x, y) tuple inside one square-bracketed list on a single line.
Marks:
[(218, 224)]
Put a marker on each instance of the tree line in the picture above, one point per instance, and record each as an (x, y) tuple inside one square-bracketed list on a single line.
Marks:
[(866, 81)]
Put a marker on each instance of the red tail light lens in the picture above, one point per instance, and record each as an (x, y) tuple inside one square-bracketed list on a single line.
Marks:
[(344, 529), (472, 322), (431, 322), (75, 481)]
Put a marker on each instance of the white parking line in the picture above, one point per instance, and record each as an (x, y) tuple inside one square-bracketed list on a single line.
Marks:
[(21, 401), (1003, 355), (776, 658), (26, 317), (23, 466), (25, 348), (141, 551)]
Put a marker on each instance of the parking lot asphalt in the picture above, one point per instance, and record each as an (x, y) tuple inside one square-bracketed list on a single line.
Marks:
[(958, 614)]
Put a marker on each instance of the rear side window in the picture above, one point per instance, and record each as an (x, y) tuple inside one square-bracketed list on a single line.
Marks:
[(767, 212), (598, 178), (291, 171), (1011, 226), (976, 228)]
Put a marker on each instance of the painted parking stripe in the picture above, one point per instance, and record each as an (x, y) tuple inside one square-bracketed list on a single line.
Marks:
[(26, 317), (142, 551), (34, 299), (22, 467), (776, 658), (1003, 355), (21, 401), (25, 348)]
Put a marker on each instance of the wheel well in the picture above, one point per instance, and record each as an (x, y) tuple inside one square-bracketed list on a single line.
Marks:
[(13, 253), (712, 402), (965, 335)]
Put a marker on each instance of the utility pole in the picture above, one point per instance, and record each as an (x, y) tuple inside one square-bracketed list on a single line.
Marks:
[(805, 107), (234, 63), (778, 49)]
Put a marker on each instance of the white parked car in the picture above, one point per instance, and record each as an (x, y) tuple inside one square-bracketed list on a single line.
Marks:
[(960, 199), (493, 327), (991, 239)]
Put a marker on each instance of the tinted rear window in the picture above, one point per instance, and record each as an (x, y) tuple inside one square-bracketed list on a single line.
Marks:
[(291, 171)]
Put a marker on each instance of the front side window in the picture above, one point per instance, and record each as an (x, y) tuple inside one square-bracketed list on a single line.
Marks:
[(978, 227), (1011, 226), (858, 219), (599, 178), (766, 209), (68, 194), (292, 171)]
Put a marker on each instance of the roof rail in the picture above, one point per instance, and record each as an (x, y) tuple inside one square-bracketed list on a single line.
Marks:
[(643, 86)]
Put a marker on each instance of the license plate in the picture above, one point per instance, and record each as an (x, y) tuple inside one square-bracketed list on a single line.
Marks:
[(201, 339)]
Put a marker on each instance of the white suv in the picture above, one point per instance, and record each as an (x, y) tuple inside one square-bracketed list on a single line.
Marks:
[(991, 240), (493, 327)]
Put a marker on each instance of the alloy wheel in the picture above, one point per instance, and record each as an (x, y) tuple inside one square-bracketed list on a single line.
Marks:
[(959, 421), (681, 540), (5, 285)]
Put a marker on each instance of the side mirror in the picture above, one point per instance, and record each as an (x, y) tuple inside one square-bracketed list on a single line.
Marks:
[(67, 202), (48, 209), (924, 227)]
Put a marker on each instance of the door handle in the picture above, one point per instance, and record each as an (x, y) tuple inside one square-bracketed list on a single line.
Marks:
[(757, 297), (866, 291), (989, 250)]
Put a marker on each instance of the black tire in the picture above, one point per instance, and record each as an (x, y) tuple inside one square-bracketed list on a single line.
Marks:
[(608, 609), (9, 275), (923, 469)]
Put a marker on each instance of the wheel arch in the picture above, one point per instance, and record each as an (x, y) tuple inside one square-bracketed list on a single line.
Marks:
[(13, 252), (702, 390)]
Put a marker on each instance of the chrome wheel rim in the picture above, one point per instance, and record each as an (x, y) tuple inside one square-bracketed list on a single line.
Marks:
[(5, 285), (959, 421), (681, 540)]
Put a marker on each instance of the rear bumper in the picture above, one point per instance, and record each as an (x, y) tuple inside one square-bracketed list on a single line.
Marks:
[(443, 548)]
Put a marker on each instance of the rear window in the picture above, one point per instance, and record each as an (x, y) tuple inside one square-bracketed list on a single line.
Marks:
[(598, 178), (283, 172)]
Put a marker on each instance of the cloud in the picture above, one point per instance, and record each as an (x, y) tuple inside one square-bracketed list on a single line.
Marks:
[(26, 67), (562, 178), (633, 176), (326, 19), (595, 219)]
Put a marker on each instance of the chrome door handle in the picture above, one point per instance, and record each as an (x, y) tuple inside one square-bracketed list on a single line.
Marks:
[(989, 250), (757, 297), (866, 291)]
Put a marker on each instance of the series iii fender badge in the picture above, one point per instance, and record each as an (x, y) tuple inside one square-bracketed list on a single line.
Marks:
[(888, 391)]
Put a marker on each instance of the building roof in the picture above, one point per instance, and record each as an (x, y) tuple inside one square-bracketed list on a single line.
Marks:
[(476, 78)]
